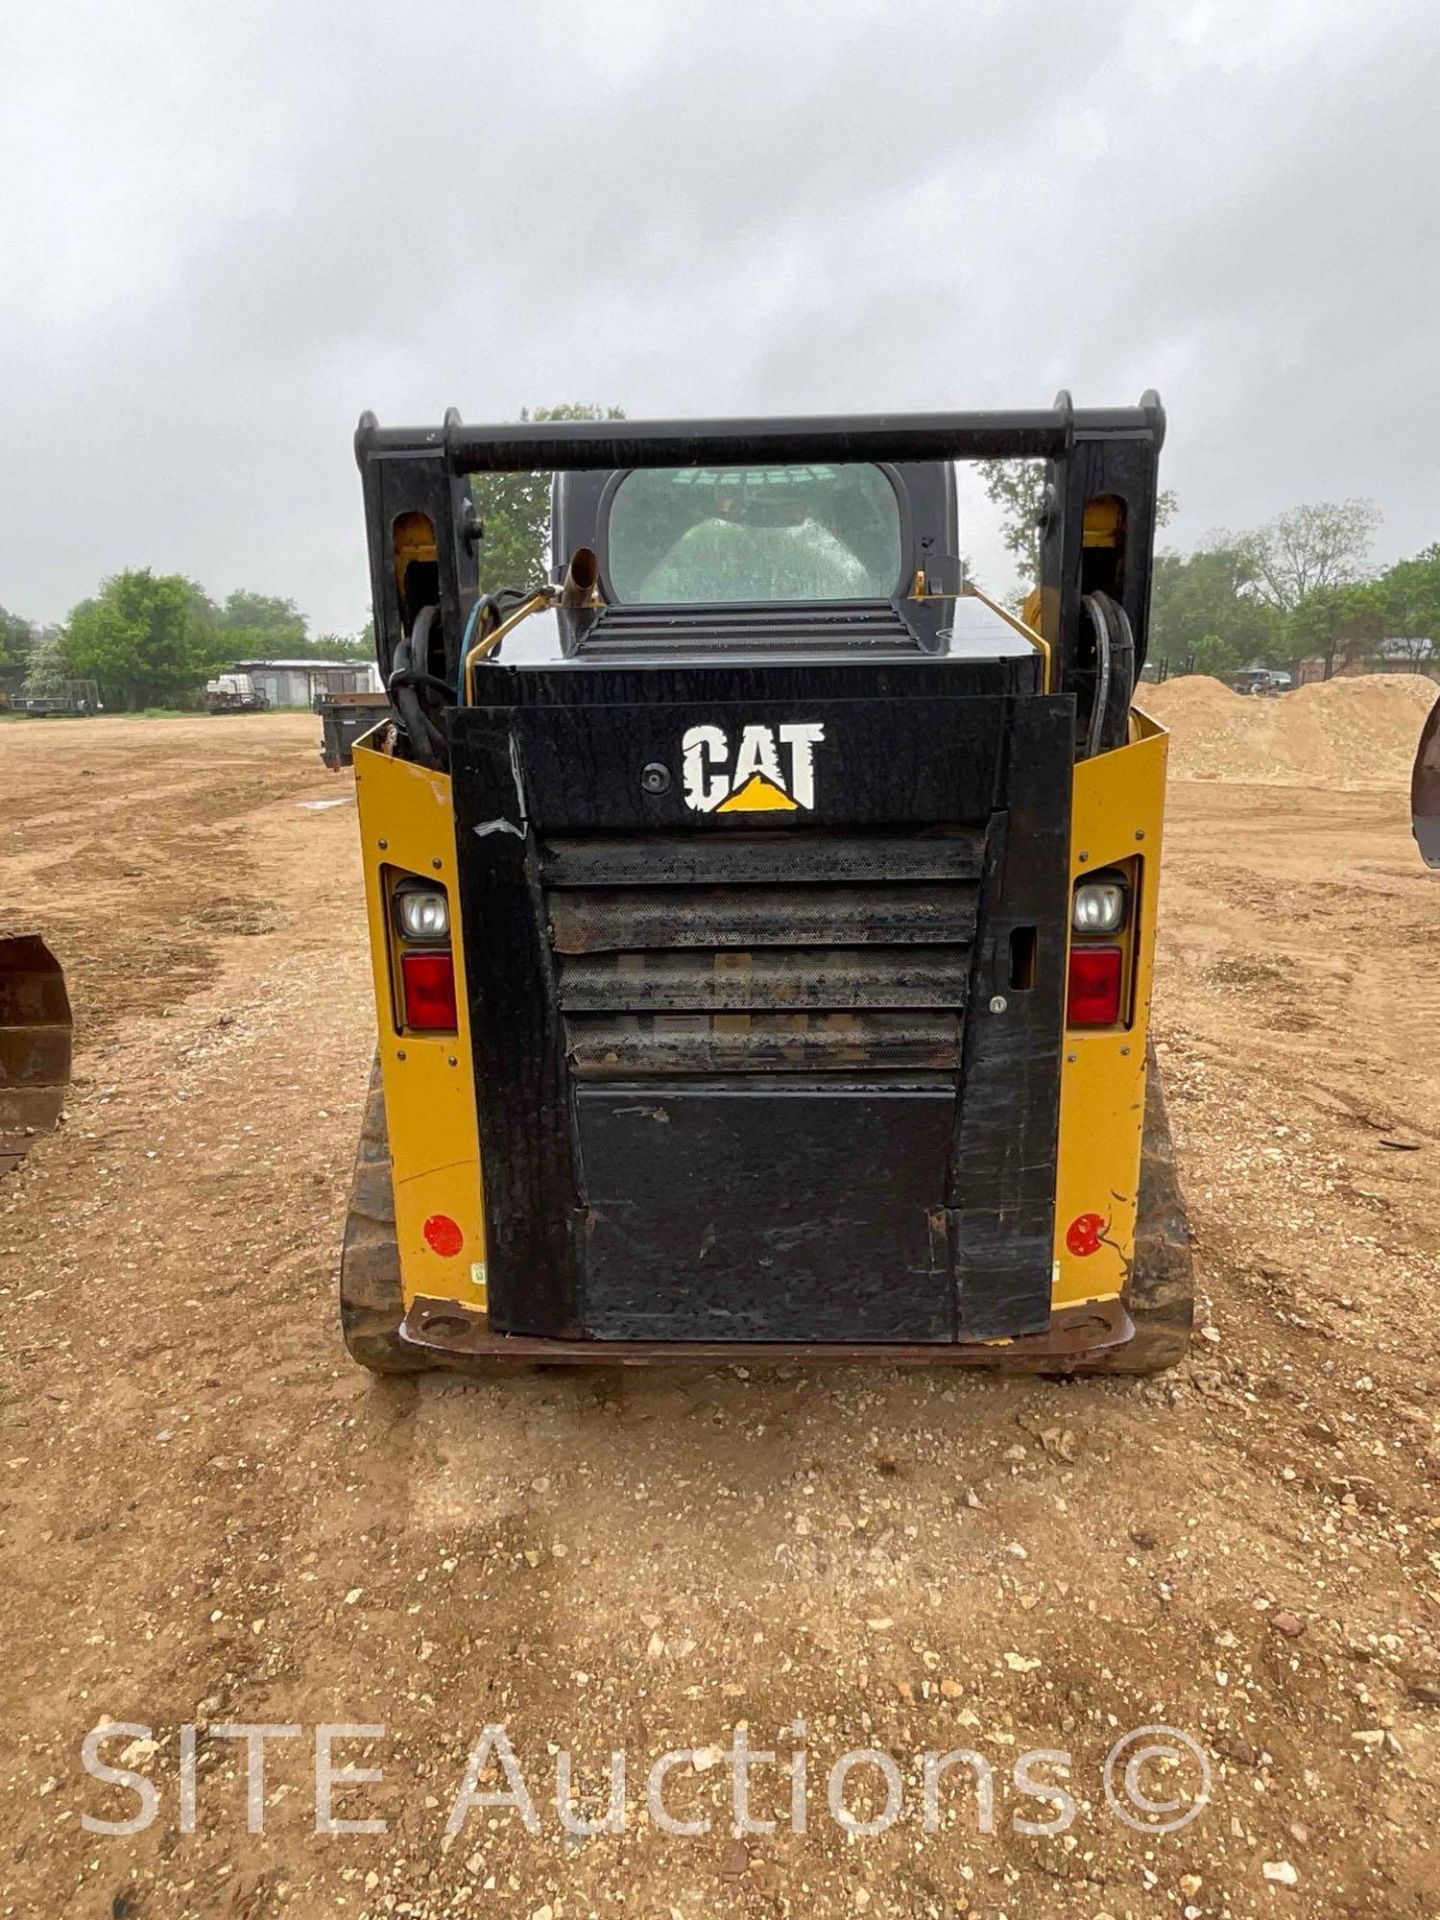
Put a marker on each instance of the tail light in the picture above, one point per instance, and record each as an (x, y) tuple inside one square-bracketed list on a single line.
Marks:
[(1096, 977), (428, 980)]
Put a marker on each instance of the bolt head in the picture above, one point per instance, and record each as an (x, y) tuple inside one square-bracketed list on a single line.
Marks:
[(998, 1003), (655, 778)]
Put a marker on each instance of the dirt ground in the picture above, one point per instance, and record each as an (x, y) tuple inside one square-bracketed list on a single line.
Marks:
[(208, 1515)]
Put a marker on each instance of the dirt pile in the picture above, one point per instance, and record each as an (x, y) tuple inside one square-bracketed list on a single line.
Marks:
[(1347, 734)]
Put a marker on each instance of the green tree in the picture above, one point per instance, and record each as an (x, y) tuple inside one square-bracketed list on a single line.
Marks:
[(1339, 624), (146, 638), (1202, 611), (1017, 488), (17, 637), (514, 509), (1409, 594), (1311, 549), (262, 626), (345, 646)]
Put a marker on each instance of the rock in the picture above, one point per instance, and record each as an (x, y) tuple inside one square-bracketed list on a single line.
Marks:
[(733, 1861), (1190, 1884), (1143, 1537), (1425, 1693), (1289, 1624), (1280, 1873), (951, 1690)]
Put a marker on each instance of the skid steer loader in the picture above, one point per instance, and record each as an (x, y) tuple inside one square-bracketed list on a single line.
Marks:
[(762, 918)]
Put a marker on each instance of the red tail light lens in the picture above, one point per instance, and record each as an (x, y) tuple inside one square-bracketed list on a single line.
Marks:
[(1095, 978), (429, 982)]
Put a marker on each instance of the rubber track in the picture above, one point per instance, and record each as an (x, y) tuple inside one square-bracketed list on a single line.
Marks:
[(1161, 1292), (371, 1302)]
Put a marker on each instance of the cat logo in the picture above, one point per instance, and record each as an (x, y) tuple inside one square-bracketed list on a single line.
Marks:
[(772, 769)]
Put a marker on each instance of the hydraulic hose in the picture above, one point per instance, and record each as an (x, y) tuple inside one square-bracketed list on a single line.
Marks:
[(1102, 674), (1114, 673), (494, 604), (426, 740)]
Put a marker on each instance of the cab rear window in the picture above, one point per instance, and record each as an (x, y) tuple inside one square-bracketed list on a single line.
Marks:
[(694, 535)]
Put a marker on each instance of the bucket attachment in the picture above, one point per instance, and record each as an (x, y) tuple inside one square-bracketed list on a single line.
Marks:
[(35, 1031), (1425, 790)]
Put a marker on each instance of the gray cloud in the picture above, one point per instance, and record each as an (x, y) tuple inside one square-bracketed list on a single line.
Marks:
[(225, 231)]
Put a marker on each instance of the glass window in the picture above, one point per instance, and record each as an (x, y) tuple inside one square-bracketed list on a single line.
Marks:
[(695, 535)]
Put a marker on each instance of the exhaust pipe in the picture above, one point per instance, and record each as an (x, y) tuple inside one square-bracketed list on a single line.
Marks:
[(35, 1034), (582, 576)]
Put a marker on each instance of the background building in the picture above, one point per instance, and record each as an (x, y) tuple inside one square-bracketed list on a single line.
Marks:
[(300, 683)]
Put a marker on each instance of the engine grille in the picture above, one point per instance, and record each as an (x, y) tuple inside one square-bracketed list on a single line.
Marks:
[(710, 953), (638, 631)]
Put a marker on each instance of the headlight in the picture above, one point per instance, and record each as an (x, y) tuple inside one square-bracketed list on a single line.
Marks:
[(422, 913), (1099, 906)]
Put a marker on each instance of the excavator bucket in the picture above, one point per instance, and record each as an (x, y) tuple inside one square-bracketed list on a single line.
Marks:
[(1425, 791), (35, 1031)]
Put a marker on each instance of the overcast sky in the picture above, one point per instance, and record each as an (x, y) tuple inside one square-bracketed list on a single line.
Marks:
[(225, 230)]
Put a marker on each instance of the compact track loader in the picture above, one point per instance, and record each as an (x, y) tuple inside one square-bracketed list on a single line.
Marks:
[(762, 918)]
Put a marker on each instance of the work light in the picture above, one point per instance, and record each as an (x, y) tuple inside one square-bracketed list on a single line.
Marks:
[(1099, 905), (422, 913)]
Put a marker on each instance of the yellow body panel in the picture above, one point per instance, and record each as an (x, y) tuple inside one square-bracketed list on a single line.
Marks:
[(1117, 815), (407, 821)]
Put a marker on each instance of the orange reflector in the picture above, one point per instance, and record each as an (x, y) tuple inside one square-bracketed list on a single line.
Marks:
[(1094, 996), (1082, 1236), (443, 1235), (429, 983)]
